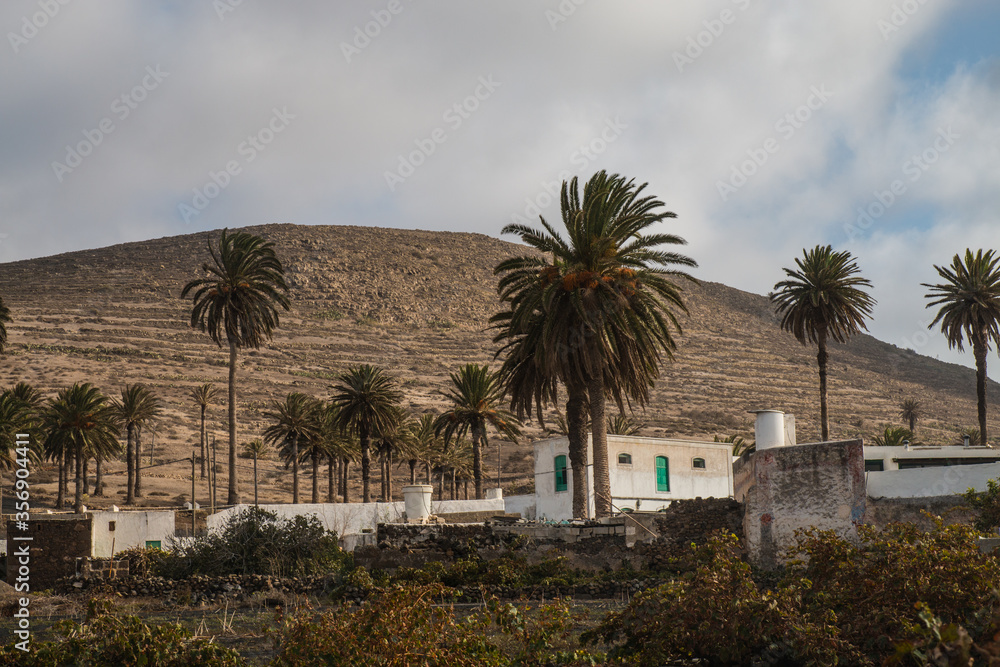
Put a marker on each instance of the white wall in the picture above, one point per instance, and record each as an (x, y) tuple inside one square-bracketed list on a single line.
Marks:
[(523, 505), (636, 481), (925, 482), (132, 529), (352, 518), (890, 456)]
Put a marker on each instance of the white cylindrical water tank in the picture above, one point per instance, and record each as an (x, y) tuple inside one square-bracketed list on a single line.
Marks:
[(769, 429), (417, 501)]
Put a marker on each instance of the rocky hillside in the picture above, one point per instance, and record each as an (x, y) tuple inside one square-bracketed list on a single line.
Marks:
[(417, 303)]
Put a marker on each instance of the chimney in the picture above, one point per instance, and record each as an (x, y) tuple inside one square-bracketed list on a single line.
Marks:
[(773, 428)]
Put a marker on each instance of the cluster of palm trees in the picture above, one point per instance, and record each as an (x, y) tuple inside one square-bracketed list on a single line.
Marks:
[(824, 298), (364, 417), (78, 425)]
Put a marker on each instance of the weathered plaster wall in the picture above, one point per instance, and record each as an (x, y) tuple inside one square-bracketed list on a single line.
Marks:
[(791, 488), (132, 529)]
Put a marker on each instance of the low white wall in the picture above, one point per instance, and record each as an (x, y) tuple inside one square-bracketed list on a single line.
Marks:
[(523, 505), (351, 518), (132, 529), (925, 482)]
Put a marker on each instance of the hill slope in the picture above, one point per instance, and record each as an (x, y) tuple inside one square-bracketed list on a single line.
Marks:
[(417, 303)]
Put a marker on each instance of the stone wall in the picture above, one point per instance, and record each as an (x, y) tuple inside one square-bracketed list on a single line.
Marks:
[(882, 511), (791, 488), (57, 541)]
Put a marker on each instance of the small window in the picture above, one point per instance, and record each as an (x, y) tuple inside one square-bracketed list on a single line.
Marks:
[(561, 481), (874, 465), (111, 526), (154, 544), (662, 474), (698, 463), (624, 459)]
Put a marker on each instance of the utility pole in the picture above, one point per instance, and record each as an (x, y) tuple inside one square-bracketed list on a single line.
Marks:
[(212, 475)]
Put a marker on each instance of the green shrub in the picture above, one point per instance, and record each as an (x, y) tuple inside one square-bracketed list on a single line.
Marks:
[(987, 506), (105, 640), (256, 541)]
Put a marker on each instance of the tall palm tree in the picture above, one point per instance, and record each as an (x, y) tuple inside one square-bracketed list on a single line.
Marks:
[(238, 302), (391, 440), (476, 395), (81, 419), (604, 299), (137, 406), (824, 298), (204, 396), (365, 397), (296, 420), (4, 319), (970, 310), (421, 445), (20, 414), (910, 411), (257, 450)]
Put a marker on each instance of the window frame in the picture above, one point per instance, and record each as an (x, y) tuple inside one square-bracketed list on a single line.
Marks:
[(624, 463), (695, 466)]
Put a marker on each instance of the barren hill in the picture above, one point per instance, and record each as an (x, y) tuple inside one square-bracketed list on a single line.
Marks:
[(417, 303)]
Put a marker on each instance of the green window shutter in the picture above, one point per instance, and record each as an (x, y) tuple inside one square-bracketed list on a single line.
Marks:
[(560, 465), (154, 544), (662, 473)]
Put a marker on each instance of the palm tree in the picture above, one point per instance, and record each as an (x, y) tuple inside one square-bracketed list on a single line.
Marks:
[(909, 412), (20, 412), (4, 318), (391, 440), (603, 298), (739, 443), (475, 396), (823, 299), (296, 420), (204, 396), (421, 445), (81, 420), (365, 397), (622, 424), (893, 436), (970, 310), (238, 302), (138, 406)]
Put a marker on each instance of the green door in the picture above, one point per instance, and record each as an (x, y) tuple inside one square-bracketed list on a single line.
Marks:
[(561, 483), (662, 473)]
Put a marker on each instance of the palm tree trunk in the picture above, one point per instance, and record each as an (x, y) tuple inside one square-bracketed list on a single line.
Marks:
[(821, 359), (295, 468), (138, 463), (413, 471), (78, 493), (454, 486), (130, 461), (388, 475), (427, 470), (86, 471), (204, 436), (382, 475), (441, 485), (602, 479), (67, 469), (61, 494), (576, 422), (477, 458), (331, 495), (346, 468), (99, 481), (913, 424), (234, 487), (315, 462), (979, 351), (366, 464), (465, 483)]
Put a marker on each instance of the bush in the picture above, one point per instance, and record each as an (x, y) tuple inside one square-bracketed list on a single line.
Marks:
[(256, 541), (105, 640), (987, 506)]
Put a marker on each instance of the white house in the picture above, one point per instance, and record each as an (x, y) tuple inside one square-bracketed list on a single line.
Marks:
[(919, 472), (646, 474), (114, 531)]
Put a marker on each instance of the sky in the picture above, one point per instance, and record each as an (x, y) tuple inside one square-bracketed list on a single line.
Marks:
[(767, 127)]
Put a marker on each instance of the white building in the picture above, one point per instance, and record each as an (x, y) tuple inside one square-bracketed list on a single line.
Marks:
[(114, 531), (646, 474), (920, 472)]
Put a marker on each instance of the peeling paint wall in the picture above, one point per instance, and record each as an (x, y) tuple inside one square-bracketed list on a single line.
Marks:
[(790, 488)]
